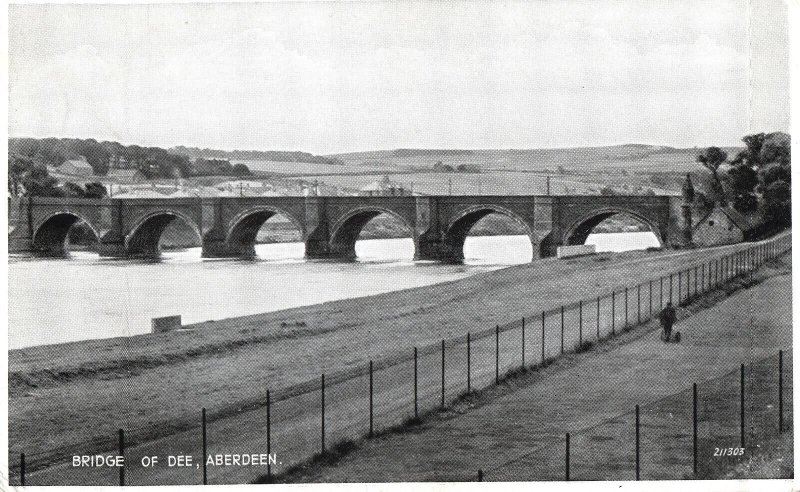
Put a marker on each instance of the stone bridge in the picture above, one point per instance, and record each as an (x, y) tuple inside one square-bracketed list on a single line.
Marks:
[(330, 226)]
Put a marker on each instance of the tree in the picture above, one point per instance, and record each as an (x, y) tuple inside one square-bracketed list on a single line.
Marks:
[(73, 190), (241, 170), (28, 178), (743, 181), (776, 148), (774, 172), (778, 203), (95, 190), (712, 158), (38, 182), (751, 155)]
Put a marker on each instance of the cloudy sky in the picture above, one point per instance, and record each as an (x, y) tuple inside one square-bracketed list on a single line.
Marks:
[(337, 77)]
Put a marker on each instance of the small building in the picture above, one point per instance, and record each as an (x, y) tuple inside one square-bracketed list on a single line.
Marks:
[(126, 176), (725, 225), (139, 194), (76, 167), (386, 187)]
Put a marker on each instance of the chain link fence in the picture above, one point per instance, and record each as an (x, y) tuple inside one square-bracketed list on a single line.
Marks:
[(696, 433)]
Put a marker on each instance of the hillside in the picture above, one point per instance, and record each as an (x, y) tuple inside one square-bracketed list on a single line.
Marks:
[(630, 156)]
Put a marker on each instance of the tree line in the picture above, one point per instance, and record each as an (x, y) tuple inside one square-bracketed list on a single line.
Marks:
[(29, 158), (756, 179), (27, 177), (255, 155)]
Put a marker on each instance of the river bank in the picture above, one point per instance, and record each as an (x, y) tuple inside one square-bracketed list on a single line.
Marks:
[(71, 393)]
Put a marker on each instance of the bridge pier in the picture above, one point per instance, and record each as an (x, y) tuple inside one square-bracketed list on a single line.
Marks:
[(432, 247), (19, 244), (112, 249), (220, 249)]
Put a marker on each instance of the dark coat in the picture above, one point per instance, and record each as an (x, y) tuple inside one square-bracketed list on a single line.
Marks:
[(667, 316)]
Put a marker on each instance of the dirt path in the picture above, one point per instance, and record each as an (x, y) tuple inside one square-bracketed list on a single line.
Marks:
[(744, 328)]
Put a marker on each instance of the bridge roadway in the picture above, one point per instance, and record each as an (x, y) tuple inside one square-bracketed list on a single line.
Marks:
[(330, 226)]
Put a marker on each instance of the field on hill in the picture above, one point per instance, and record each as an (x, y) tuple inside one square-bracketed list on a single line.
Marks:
[(301, 168), (633, 157)]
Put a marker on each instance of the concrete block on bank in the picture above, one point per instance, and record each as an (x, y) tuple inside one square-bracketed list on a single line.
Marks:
[(579, 250), (166, 323)]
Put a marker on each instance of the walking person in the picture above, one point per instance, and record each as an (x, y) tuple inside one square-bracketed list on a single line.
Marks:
[(667, 317)]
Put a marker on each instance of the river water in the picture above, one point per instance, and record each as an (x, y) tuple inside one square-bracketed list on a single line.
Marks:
[(85, 297)]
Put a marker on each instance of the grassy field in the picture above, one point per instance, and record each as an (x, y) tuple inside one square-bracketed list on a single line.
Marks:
[(584, 159), (63, 394)]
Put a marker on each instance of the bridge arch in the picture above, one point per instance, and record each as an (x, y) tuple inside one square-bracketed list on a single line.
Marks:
[(459, 227), (243, 228), (50, 235), (145, 235), (345, 231), (579, 230)]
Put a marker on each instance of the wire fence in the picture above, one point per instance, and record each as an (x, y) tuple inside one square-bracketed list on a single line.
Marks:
[(303, 421), (696, 433)]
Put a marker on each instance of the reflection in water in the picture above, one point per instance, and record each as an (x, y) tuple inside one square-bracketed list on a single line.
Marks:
[(85, 296)]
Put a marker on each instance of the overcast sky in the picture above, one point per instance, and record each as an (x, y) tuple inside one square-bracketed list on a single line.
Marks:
[(337, 77)]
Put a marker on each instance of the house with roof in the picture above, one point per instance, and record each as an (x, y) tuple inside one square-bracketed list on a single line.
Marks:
[(77, 167), (726, 225), (386, 187)]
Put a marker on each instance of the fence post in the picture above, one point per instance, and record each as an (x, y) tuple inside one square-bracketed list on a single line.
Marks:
[(205, 450), (566, 460), (694, 428), (322, 426), (416, 405), (650, 295), (497, 354), (613, 313), (637, 442), (703, 279), (670, 286), (122, 453), (469, 363), (598, 318), (480, 475), (661, 293), (638, 304), (562, 329), (695, 281), (269, 435), (626, 309), (371, 401), (780, 391), (680, 287), (523, 342), (442, 373), (543, 353), (741, 406), (580, 324)]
